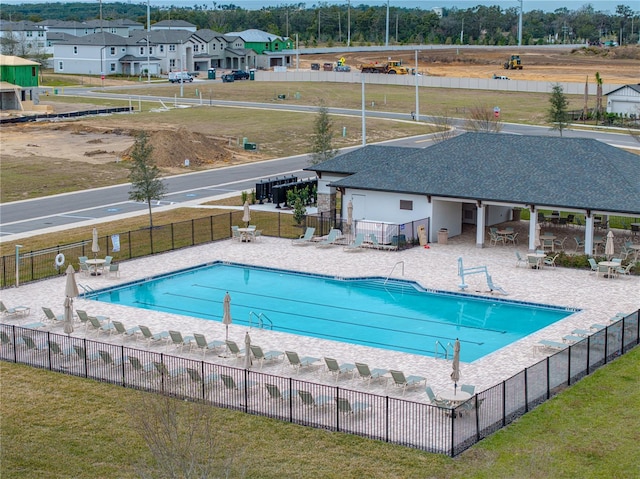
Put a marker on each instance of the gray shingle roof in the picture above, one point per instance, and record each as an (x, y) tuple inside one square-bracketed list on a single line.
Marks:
[(543, 171)]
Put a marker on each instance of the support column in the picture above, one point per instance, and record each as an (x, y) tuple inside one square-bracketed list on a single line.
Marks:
[(533, 222), (588, 235), (480, 226)]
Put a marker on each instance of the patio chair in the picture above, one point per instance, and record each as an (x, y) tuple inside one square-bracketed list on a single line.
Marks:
[(149, 337), (82, 260), (204, 345), (15, 311), (627, 249), (275, 392), (235, 233), (298, 363), (57, 350), (196, 377), (100, 326), (49, 316), (533, 262), (368, 375), (593, 265), (83, 316), (559, 243), (347, 407), (82, 354), (468, 388), (624, 270), (377, 245), (124, 332), (330, 240), (6, 340), (495, 238), (113, 271), (178, 341), (404, 382), (547, 244), (107, 263), (570, 219), (138, 366), (32, 345), (579, 243), (261, 356), (166, 372), (333, 367), (109, 360), (306, 238), (233, 385), (520, 260), (85, 270), (233, 348), (310, 401), (551, 261), (357, 243)]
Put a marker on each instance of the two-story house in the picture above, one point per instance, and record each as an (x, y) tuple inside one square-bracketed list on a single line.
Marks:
[(271, 50)]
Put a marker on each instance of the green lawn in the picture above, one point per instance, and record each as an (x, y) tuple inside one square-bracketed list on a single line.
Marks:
[(56, 426)]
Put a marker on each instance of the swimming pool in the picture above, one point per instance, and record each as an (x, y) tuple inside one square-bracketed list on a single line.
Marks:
[(390, 314)]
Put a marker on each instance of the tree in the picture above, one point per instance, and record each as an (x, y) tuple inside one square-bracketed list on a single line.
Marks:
[(444, 127), (321, 147), (146, 184), (557, 114), (482, 119), (598, 96)]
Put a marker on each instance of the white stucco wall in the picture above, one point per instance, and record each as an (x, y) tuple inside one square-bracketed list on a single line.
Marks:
[(385, 207), (446, 214)]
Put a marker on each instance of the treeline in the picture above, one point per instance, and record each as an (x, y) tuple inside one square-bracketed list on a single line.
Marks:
[(328, 24)]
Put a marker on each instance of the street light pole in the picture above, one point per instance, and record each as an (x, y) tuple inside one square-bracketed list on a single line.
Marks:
[(148, 62), (520, 26), (386, 42), (348, 23)]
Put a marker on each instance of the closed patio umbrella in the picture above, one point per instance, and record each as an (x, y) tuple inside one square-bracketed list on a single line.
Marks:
[(349, 215), (536, 241), (455, 373), (70, 292), (247, 350), (95, 246), (246, 217), (609, 248), (226, 314)]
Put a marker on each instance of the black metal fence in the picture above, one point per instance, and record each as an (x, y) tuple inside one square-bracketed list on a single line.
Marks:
[(386, 418), (70, 114), (41, 264)]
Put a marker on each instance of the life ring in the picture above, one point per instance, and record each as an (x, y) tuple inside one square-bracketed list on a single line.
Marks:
[(59, 259)]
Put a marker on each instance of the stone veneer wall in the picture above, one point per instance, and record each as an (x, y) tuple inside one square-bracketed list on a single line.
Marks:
[(326, 202)]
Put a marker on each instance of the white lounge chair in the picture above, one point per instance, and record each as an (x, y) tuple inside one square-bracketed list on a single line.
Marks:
[(357, 243), (306, 238), (330, 240)]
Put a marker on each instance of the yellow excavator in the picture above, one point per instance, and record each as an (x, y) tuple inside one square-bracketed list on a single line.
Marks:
[(514, 63)]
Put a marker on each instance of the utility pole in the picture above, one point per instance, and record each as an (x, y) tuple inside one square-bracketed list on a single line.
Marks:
[(520, 26), (417, 96), (386, 42), (348, 23), (364, 116)]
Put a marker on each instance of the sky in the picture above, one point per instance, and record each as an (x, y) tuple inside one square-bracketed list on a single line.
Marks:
[(545, 5)]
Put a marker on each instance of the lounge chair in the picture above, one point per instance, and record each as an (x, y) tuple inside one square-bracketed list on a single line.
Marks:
[(519, 259), (83, 355), (404, 382), (306, 238), (544, 344), (109, 360), (178, 341), (261, 356), (15, 311), (298, 363), (571, 339), (330, 240), (84, 317), (100, 326), (494, 287), (6, 340), (233, 348), (308, 400), (32, 345), (124, 332), (357, 244), (57, 350), (49, 316), (137, 365), (275, 393), (149, 337), (204, 345), (166, 372), (233, 385), (468, 388), (347, 407), (196, 377), (368, 375), (375, 244), (333, 367), (551, 261)]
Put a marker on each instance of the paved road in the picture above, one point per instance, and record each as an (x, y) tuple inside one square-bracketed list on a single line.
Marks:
[(23, 217)]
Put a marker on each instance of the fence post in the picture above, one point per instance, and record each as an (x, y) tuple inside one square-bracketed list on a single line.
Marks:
[(211, 226), (246, 388), (124, 381), (290, 399), (173, 244), (569, 367), (453, 432), (526, 390), (193, 232), (548, 378), (504, 403)]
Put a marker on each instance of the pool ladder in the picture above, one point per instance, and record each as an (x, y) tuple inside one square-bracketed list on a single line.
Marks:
[(393, 269), (261, 319), (443, 350), (86, 289)]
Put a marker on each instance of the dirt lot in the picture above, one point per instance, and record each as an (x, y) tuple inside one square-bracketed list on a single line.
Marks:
[(78, 142)]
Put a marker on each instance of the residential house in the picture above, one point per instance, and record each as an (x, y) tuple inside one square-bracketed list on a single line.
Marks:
[(271, 49), (22, 38), (174, 25), (479, 178), (624, 101), (18, 82)]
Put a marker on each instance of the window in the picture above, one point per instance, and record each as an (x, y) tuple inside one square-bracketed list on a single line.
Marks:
[(112, 67), (214, 46), (112, 51), (41, 34), (150, 50), (195, 48), (406, 205), (172, 63), (75, 50), (141, 50), (172, 48), (161, 48), (29, 34), (60, 66)]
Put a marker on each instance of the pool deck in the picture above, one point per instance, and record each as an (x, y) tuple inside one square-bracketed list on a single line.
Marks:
[(436, 268)]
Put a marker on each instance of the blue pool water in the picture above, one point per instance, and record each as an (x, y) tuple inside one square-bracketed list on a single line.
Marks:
[(395, 315)]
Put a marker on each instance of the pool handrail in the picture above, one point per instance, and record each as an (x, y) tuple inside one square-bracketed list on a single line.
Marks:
[(261, 320), (447, 348)]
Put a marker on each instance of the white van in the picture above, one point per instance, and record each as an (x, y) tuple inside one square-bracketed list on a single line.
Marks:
[(176, 77)]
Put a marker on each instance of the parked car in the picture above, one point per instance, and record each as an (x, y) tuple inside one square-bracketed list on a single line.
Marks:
[(228, 78), (315, 66), (176, 77), (500, 77), (240, 74), (343, 68), (328, 67)]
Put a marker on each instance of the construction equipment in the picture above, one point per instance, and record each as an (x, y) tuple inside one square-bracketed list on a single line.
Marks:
[(391, 67), (514, 63)]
